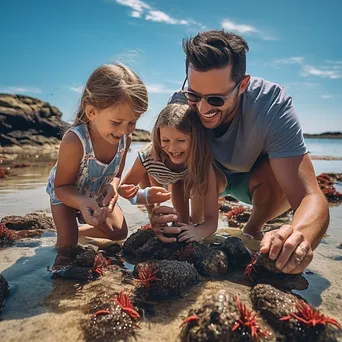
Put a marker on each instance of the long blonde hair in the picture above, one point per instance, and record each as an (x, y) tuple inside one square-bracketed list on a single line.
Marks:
[(112, 84), (183, 118)]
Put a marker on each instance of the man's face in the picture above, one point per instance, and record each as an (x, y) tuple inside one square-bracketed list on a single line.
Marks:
[(213, 82)]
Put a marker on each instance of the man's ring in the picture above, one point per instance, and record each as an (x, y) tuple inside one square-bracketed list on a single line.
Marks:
[(303, 249), (162, 228)]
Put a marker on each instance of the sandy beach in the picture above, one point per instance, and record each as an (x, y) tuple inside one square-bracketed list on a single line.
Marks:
[(42, 309)]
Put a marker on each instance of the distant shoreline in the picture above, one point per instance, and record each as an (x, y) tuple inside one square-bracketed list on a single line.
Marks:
[(332, 135)]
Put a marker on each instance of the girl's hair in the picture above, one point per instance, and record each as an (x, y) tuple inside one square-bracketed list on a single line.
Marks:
[(112, 84), (185, 119)]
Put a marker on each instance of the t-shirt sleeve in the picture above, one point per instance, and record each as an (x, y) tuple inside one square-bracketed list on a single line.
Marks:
[(283, 135)]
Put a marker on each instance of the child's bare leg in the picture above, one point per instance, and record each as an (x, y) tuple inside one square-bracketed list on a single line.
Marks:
[(66, 225), (197, 209), (114, 228)]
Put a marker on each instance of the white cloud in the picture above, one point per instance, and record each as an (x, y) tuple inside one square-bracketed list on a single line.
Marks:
[(325, 97), (141, 8), (136, 14), (78, 89), (290, 60), (136, 5), (333, 62), (20, 90), (162, 17), (309, 70), (243, 29), (158, 89)]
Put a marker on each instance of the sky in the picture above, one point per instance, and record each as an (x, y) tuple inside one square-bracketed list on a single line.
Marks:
[(49, 48)]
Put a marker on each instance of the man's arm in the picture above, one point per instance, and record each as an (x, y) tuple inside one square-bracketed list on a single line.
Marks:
[(297, 178)]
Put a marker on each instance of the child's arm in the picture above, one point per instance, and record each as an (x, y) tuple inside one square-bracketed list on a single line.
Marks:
[(180, 203), (112, 193), (209, 225), (69, 157), (128, 188)]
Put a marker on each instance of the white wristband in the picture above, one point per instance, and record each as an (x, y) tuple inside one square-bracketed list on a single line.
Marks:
[(146, 191)]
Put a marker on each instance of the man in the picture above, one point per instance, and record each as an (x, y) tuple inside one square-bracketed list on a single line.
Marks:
[(257, 144)]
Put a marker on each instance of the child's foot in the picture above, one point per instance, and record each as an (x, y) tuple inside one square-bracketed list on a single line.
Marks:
[(254, 235), (65, 256)]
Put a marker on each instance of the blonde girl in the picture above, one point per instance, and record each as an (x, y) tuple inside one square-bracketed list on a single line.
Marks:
[(84, 181)]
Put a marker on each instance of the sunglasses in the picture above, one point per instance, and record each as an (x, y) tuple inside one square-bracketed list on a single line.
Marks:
[(213, 100)]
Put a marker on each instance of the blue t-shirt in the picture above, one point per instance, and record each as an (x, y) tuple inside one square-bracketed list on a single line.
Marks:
[(266, 125)]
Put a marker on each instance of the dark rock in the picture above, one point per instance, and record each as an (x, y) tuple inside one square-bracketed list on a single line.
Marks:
[(28, 222), (4, 291), (164, 279)]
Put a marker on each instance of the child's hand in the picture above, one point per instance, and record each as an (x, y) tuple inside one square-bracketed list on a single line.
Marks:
[(111, 197), (190, 233), (128, 191), (158, 194), (92, 213)]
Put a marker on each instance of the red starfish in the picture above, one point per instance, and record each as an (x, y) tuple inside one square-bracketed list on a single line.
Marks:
[(310, 316), (248, 319), (146, 274), (125, 303)]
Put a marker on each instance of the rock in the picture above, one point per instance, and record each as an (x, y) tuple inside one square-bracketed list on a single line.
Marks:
[(4, 291), (29, 121), (31, 126), (28, 222)]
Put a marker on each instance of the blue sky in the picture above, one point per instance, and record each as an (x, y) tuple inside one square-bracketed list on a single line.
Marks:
[(49, 48)]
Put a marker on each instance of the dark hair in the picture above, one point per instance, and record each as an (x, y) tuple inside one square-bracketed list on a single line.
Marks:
[(215, 50), (185, 119), (112, 84)]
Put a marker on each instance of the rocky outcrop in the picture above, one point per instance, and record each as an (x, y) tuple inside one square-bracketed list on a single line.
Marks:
[(31, 126), (28, 121)]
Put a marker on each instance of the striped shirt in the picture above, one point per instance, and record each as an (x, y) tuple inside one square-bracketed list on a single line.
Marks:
[(158, 170)]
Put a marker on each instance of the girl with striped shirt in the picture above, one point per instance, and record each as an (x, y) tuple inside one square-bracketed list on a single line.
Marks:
[(179, 157)]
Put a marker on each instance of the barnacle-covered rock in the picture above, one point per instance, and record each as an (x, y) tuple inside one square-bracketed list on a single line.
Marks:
[(88, 265), (112, 250), (164, 279), (236, 251), (7, 236), (136, 240), (214, 263), (262, 269), (292, 317), (4, 291), (154, 248), (222, 318), (113, 319), (28, 222)]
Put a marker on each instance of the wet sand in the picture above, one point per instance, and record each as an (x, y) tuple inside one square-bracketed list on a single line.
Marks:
[(42, 309)]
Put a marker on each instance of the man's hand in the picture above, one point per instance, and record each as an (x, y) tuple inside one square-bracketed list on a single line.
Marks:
[(289, 248), (160, 217), (92, 213), (128, 191)]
